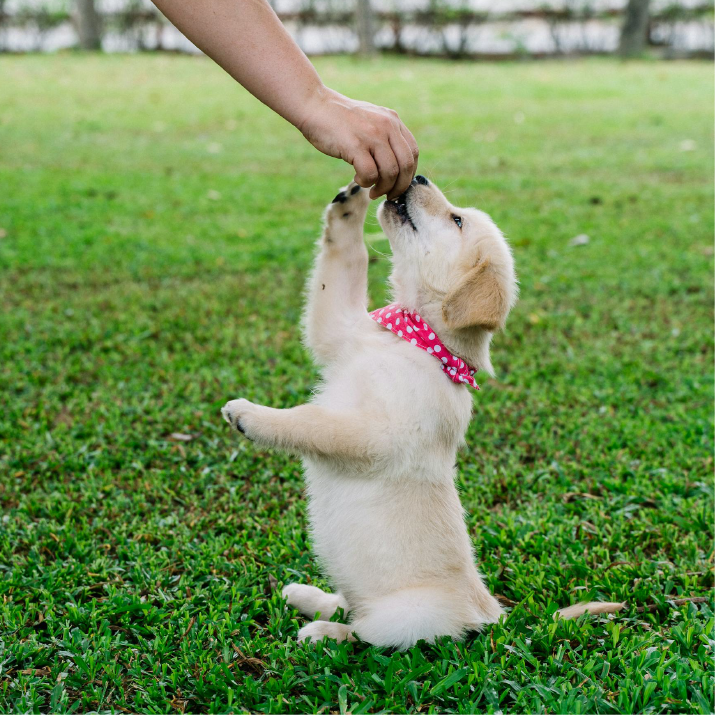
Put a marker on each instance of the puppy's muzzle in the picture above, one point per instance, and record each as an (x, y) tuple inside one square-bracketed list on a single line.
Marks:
[(400, 203)]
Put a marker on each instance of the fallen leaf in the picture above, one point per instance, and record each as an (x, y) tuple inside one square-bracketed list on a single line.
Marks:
[(254, 664), (581, 240), (36, 671), (189, 627), (572, 496), (180, 437), (594, 608)]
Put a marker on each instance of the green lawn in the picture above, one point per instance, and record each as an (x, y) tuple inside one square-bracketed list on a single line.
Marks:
[(156, 227)]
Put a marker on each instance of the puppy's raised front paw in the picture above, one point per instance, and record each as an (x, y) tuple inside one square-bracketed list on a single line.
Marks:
[(236, 413), (350, 203)]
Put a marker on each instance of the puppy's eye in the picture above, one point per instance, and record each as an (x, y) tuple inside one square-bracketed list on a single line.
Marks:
[(458, 220)]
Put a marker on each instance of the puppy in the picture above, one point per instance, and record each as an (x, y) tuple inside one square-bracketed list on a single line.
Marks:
[(380, 437)]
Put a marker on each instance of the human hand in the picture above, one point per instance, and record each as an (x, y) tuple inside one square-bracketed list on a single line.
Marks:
[(373, 139)]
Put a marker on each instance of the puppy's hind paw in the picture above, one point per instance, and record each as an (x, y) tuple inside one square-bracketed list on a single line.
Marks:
[(318, 630)]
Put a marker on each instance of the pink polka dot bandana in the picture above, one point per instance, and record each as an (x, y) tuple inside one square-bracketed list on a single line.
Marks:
[(411, 327)]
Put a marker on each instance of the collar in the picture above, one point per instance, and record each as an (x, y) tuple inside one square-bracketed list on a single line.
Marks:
[(410, 326)]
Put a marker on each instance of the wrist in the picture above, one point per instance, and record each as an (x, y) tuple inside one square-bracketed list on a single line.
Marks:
[(313, 106)]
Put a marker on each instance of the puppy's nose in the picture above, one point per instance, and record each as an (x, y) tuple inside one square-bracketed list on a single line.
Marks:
[(421, 180)]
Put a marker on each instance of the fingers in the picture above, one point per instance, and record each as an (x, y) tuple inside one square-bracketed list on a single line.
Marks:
[(366, 173), (388, 168), (386, 157), (407, 134), (406, 162)]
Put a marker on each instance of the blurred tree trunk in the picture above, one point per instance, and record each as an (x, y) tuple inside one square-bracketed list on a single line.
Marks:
[(365, 27), (89, 25), (635, 28)]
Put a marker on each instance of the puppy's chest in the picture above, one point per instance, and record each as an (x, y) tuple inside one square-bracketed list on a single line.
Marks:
[(392, 378)]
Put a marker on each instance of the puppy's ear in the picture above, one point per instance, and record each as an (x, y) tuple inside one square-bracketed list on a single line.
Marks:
[(478, 300)]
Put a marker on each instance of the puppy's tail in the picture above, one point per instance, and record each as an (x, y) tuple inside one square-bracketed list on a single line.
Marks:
[(592, 607)]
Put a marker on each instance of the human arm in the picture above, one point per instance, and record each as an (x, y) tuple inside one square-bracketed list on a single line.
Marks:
[(247, 39)]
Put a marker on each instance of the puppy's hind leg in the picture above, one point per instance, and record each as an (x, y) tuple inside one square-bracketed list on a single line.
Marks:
[(313, 602), (318, 630), (404, 617), (337, 295)]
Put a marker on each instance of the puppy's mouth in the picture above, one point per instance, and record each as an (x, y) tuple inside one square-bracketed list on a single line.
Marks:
[(399, 205)]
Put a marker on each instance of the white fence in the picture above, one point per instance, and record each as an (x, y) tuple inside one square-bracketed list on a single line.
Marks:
[(477, 28)]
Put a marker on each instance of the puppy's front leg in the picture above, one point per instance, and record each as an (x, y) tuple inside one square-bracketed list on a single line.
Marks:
[(337, 297), (310, 429)]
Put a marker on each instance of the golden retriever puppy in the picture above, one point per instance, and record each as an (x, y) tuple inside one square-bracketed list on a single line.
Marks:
[(379, 438)]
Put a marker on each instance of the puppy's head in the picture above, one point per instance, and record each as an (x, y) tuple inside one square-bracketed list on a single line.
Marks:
[(451, 264)]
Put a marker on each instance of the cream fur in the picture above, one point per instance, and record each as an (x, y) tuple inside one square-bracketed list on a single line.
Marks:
[(379, 438)]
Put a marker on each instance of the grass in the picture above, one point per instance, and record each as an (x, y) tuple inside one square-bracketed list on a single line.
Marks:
[(157, 225)]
